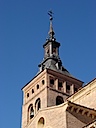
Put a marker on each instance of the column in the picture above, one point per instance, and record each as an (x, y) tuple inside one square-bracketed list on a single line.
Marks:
[(72, 89), (64, 86), (56, 82)]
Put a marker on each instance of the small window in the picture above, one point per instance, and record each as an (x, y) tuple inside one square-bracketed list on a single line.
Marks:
[(43, 82), (27, 95), (68, 87), (32, 91), (37, 86), (52, 81), (59, 84), (75, 89), (54, 50)]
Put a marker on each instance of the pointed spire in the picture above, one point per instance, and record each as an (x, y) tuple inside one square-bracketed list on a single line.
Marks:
[(51, 31)]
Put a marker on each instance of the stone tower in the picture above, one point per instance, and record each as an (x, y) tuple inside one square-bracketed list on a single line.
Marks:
[(52, 85)]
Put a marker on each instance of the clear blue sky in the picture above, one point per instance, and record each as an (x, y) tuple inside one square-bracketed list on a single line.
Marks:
[(24, 26)]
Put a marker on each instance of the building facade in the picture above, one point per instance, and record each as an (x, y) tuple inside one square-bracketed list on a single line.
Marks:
[(54, 98)]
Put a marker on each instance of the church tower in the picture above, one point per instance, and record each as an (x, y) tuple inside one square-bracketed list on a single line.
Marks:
[(52, 85)]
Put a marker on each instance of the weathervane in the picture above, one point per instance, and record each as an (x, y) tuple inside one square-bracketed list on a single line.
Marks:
[(50, 13), (51, 32)]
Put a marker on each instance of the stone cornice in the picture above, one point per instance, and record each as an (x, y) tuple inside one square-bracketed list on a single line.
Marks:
[(63, 75), (72, 107)]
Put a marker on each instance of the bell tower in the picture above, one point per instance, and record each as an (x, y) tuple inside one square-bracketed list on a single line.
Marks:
[(52, 85)]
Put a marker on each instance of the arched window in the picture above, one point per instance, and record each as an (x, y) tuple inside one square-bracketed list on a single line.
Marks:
[(30, 112), (37, 104), (59, 100), (41, 123)]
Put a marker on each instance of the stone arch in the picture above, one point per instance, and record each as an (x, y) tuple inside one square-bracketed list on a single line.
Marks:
[(30, 114), (37, 104), (59, 100), (41, 123)]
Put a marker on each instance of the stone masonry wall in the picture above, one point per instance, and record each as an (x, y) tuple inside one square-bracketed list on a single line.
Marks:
[(86, 96), (73, 122), (54, 117), (42, 96), (52, 97)]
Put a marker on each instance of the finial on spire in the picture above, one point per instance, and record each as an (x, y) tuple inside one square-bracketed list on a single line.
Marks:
[(51, 32)]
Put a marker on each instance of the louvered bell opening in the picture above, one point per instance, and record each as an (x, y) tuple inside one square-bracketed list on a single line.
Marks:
[(31, 114)]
